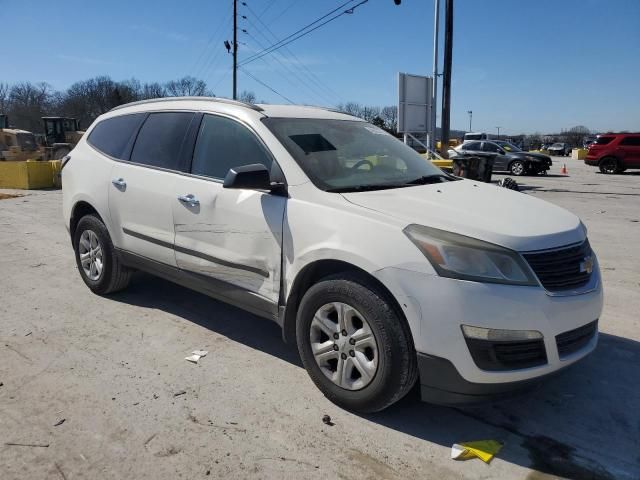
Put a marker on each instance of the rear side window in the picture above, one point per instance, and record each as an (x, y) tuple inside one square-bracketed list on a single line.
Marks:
[(223, 144), (631, 141), (489, 147), (471, 146), (160, 140), (603, 140), (112, 135)]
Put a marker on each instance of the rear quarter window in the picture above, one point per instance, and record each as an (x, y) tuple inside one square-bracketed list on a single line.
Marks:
[(603, 140), (111, 136)]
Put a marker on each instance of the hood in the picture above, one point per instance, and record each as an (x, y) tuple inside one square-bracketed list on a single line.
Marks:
[(538, 156), (479, 210)]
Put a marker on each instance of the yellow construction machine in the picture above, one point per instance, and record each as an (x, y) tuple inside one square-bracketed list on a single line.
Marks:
[(16, 144), (61, 134)]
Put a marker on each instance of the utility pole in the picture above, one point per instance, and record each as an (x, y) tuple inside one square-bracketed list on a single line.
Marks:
[(470, 112), (445, 121), (235, 49), (498, 132), (434, 106)]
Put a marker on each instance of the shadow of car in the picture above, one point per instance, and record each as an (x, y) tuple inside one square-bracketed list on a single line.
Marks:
[(583, 423)]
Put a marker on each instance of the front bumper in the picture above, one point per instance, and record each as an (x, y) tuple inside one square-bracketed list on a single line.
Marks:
[(437, 307)]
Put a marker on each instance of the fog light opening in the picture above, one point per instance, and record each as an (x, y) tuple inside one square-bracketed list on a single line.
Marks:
[(499, 335)]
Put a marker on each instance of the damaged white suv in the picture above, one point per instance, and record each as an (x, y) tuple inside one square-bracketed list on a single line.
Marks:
[(383, 269)]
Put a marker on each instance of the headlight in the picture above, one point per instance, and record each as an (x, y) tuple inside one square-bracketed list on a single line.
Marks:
[(466, 258)]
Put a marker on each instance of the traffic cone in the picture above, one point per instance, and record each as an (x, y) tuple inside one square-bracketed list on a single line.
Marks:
[(563, 170)]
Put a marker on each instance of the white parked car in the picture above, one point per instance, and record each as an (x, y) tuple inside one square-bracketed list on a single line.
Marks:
[(383, 269)]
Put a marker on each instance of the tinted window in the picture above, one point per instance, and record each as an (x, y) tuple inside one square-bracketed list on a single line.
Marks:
[(631, 141), (112, 135), (490, 147), (471, 146), (160, 140), (603, 140), (223, 144)]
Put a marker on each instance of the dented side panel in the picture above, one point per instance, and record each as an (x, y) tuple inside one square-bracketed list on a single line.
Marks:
[(231, 235)]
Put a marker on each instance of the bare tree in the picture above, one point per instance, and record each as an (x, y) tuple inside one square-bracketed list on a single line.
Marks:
[(4, 97), (390, 116), (27, 103), (186, 87), (575, 135), (152, 90), (247, 97), (352, 108)]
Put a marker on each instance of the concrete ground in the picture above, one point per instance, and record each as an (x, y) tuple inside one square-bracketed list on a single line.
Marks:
[(113, 369)]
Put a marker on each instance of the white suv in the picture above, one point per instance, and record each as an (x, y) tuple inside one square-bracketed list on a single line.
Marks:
[(382, 268)]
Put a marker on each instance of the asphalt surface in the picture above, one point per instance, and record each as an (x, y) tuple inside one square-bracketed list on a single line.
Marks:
[(113, 369)]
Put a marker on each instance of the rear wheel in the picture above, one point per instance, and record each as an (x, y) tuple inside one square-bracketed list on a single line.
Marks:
[(356, 348), (517, 168), (98, 263), (609, 165)]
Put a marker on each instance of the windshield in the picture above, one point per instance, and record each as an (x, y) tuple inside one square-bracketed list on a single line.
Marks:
[(556, 145), (509, 147), (346, 155)]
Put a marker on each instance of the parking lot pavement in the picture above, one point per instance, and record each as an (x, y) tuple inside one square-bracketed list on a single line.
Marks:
[(113, 368)]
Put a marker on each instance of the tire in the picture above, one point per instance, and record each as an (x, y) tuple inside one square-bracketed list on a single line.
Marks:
[(609, 166), (388, 352), (517, 168), (113, 276)]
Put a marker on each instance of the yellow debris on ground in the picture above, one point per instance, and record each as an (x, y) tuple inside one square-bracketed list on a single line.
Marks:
[(485, 450)]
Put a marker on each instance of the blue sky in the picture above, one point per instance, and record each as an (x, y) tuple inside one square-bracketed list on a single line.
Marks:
[(534, 65)]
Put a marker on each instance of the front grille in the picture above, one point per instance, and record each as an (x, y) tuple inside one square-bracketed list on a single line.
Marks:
[(562, 269), (574, 340), (507, 355)]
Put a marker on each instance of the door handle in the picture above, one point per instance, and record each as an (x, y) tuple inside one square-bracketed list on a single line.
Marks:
[(119, 182), (189, 199)]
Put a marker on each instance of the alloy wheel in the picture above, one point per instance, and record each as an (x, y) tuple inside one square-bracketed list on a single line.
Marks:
[(517, 168), (91, 257), (344, 345)]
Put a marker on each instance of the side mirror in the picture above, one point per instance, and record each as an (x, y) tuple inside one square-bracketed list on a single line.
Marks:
[(502, 152), (251, 177)]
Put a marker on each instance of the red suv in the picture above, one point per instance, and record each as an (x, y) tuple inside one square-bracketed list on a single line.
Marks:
[(615, 152)]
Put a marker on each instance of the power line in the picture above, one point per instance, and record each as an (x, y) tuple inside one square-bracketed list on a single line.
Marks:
[(210, 42), (265, 85), (294, 74), (285, 10), (323, 98), (297, 34), (309, 74), (273, 2)]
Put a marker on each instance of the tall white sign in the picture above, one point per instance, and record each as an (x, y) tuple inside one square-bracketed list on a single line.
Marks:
[(415, 101)]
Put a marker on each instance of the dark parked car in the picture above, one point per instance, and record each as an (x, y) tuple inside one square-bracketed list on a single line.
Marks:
[(615, 152), (560, 149), (507, 157)]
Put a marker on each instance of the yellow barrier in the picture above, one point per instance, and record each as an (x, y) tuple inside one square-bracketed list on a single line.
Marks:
[(579, 153), (29, 175)]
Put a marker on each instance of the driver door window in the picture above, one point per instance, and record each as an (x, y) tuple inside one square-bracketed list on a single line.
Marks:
[(223, 144)]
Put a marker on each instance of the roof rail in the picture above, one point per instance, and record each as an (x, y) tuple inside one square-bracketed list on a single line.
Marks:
[(202, 99)]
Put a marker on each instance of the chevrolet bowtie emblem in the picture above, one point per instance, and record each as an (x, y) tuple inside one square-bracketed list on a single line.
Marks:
[(586, 265)]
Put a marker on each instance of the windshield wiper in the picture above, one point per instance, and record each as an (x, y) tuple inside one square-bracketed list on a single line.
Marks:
[(366, 187), (428, 179)]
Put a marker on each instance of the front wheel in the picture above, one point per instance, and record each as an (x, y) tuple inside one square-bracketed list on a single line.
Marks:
[(356, 348), (517, 168), (98, 264), (609, 166)]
